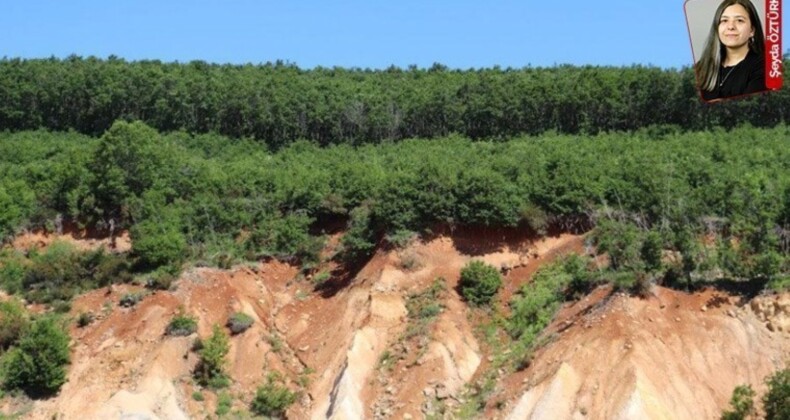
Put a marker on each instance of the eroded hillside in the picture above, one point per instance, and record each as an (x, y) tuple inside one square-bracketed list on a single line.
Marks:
[(353, 347)]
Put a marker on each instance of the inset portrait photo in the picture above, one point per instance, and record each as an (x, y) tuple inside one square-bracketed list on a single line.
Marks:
[(736, 45)]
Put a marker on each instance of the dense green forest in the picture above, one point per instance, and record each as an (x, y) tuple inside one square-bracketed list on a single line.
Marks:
[(279, 103)]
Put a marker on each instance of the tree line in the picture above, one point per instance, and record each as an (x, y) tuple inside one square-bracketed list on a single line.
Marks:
[(278, 103), (212, 197)]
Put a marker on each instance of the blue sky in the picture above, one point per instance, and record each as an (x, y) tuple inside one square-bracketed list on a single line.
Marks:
[(353, 33)]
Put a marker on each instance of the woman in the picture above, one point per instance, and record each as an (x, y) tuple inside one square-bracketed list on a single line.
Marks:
[(732, 63)]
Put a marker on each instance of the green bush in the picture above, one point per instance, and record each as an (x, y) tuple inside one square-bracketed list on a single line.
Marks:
[(14, 321), (16, 203), (779, 284), (181, 325), (581, 278), (479, 282), (53, 275), (158, 241), (286, 237), (359, 240), (163, 278), (401, 238), (536, 218), (272, 398), (37, 364), (84, 319), (224, 404), (239, 322), (105, 268), (622, 241), (12, 273), (61, 271), (321, 278), (742, 403), (537, 302), (131, 299), (651, 251), (210, 370), (776, 402)]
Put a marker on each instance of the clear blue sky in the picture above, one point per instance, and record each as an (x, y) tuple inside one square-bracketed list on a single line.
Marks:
[(353, 33)]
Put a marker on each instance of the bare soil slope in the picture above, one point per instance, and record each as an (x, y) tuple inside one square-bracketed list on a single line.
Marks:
[(352, 350)]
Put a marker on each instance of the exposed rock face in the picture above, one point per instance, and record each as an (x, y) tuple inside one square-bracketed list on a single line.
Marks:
[(774, 310), (660, 358)]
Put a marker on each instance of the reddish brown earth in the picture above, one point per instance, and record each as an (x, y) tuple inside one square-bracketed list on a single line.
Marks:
[(343, 346), (81, 239)]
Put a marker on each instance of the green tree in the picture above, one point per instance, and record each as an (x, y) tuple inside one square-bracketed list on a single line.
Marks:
[(127, 162)]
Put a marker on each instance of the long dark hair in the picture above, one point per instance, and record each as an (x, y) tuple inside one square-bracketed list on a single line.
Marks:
[(715, 52)]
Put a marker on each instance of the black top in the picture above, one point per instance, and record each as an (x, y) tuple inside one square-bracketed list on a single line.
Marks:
[(748, 76)]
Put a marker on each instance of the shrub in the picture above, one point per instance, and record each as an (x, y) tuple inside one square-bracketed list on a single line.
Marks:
[(536, 218), (287, 237), (224, 403), (581, 277), (409, 261), (106, 268), (275, 342), (776, 402), (779, 284), (130, 299), (61, 306), (84, 319), (163, 278), (321, 278), (239, 322), (37, 364), (198, 396), (159, 242), (479, 282), (537, 302), (359, 240), (181, 325), (210, 371), (423, 308), (13, 322), (742, 403), (61, 271), (53, 275), (272, 398), (12, 274), (401, 238), (651, 251), (621, 240)]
